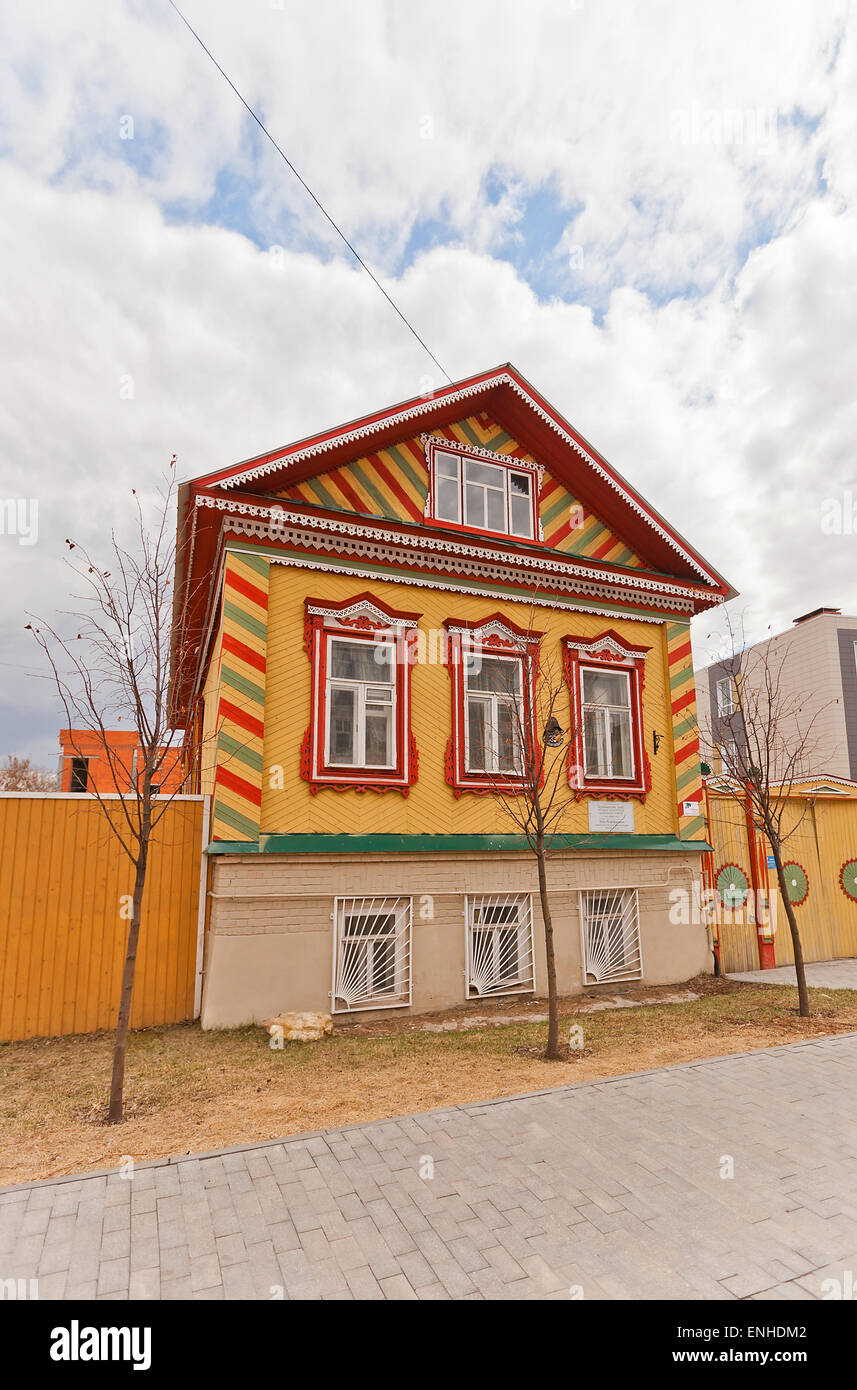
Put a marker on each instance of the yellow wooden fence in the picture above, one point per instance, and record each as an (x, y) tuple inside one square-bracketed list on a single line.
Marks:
[(64, 886), (821, 874)]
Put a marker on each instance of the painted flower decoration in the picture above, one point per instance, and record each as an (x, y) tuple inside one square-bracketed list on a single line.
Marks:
[(797, 883), (732, 885), (848, 879)]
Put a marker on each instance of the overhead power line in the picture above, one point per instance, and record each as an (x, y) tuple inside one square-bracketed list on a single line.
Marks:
[(322, 209)]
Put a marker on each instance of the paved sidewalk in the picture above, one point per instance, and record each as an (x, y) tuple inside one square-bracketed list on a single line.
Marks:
[(610, 1189), (825, 974)]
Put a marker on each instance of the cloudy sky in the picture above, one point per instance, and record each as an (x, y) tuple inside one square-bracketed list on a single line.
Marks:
[(648, 208)]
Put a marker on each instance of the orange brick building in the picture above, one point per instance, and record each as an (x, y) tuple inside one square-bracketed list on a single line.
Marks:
[(87, 768)]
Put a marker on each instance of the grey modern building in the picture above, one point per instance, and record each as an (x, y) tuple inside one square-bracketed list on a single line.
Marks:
[(817, 658)]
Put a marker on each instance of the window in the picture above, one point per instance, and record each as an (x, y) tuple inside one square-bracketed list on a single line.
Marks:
[(475, 492), (494, 713), (607, 752), (610, 930), (493, 669), (372, 954), (725, 697), (79, 774), (499, 945), (607, 723), (359, 736), (729, 756), (360, 703)]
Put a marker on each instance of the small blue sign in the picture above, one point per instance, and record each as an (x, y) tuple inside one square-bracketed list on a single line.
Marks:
[(772, 863)]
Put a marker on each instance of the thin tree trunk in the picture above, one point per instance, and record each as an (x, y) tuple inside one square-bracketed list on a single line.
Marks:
[(800, 968), (552, 1052), (117, 1081)]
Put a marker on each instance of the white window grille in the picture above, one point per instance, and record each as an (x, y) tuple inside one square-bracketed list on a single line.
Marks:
[(725, 697), (371, 954), (499, 944), (610, 930)]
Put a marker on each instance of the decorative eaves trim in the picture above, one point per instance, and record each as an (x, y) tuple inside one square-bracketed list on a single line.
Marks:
[(430, 543), (397, 417)]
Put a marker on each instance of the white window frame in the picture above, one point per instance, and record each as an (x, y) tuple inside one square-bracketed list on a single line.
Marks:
[(379, 905), (360, 688), (473, 906), (590, 708), (729, 755), (631, 966), (492, 728), (504, 470), (722, 711)]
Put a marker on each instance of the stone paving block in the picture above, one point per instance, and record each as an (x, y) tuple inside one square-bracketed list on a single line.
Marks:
[(114, 1276)]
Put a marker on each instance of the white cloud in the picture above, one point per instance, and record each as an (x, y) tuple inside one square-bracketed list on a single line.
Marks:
[(730, 407)]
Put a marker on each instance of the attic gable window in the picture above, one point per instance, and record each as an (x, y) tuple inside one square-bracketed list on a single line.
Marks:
[(481, 491)]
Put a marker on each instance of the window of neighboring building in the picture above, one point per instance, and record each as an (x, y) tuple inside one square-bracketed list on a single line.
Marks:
[(493, 669), (79, 774), (729, 755), (475, 492), (372, 953), (359, 734), (607, 750), (725, 696), (499, 944)]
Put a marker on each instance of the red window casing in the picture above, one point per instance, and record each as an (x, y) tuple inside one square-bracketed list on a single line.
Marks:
[(497, 636), (363, 618), (608, 652)]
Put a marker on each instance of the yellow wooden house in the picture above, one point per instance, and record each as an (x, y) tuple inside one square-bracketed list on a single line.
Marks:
[(362, 621)]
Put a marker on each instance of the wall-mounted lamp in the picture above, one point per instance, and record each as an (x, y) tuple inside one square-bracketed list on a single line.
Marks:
[(657, 740), (552, 734)]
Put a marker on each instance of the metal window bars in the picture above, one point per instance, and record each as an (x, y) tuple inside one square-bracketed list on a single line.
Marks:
[(371, 954), (610, 933), (499, 944)]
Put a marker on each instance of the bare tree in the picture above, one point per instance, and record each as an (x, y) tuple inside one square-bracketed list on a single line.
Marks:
[(767, 742), (116, 669), (19, 775), (536, 798)]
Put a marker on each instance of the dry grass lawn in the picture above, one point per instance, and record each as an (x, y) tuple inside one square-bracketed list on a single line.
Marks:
[(189, 1091)]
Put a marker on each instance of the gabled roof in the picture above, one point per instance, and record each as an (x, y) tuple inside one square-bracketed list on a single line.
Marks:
[(510, 400)]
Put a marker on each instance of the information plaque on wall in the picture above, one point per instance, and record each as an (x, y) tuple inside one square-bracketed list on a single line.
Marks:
[(611, 815)]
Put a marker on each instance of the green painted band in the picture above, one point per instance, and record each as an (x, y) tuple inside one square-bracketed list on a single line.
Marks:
[(445, 844), (246, 620), (239, 750), (242, 824), (258, 563), (249, 688)]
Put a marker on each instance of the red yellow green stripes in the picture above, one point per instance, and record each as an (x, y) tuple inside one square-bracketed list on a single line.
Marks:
[(682, 696), (393, 483), (241, 701)]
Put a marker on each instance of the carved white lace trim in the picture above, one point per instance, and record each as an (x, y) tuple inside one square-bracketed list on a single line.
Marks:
[(462, 394)]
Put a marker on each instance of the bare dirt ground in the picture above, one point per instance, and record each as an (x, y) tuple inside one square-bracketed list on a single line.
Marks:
[(188, 1091)]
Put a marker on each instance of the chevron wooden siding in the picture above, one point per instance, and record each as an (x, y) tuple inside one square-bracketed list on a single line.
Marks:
[(685, 731), (393, 483), (241, 698), (287, 805)]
